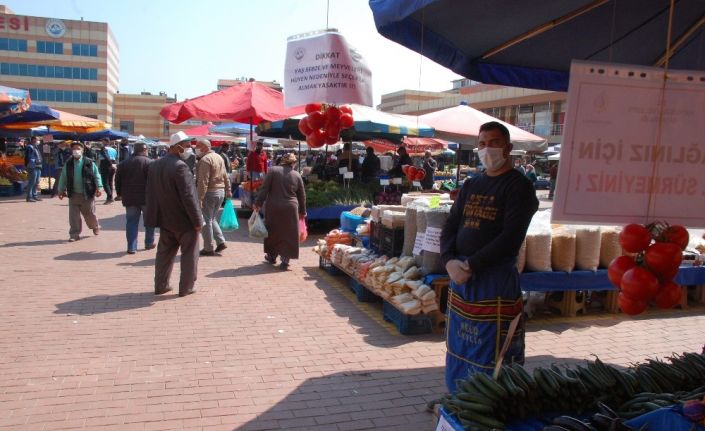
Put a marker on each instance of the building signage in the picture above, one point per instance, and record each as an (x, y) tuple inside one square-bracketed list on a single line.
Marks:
[(55, 28), (634, 147), (10, 22), (322, 67)]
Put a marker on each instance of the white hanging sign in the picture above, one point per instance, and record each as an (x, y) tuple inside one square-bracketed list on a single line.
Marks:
[(432, 240), (633, 149), (322, 67)]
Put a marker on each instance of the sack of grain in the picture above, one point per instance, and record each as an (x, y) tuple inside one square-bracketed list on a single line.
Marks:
[(538, 251), (420, 234), (521, 257), (587, 248), (432, 263), (563, 249), (409, 231), (609, 245)]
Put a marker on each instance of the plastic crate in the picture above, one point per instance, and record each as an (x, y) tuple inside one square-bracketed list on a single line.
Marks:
[(362, 293), (328, 267), (6, 191), (407, 325), (391, 241)]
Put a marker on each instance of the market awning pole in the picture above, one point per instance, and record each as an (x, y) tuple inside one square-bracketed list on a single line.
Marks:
[(457, 167)]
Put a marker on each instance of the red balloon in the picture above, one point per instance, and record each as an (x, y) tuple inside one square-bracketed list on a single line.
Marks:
[(313, 107), (634, 238), (333, 132), (640, 284), (669, 295), (663, 258), (420, 175), (630, 305), (618, 267), (346, 121), (333, 114), (346, 109), (304, 128), (411, 173), (330, 140), (316, 119)]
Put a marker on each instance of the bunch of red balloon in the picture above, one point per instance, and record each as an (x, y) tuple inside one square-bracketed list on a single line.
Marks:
[(648, 275), (413, 173), (323, 123)]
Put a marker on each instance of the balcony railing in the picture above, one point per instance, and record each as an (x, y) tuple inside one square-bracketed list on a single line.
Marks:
[(554, 129)]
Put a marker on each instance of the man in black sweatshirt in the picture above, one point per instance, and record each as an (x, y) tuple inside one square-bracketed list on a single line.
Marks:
[(479, 246)]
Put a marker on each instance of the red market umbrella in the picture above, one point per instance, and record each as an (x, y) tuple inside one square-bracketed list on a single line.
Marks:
[(249, 102)]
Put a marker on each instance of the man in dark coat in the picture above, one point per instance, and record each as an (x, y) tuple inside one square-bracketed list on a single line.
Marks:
[(131, 186), (172, 206)]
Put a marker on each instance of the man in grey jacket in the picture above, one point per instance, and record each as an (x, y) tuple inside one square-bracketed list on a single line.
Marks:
[(131, 185), (172, 206)]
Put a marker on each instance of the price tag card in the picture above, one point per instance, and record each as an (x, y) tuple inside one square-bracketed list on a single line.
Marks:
[(435, 202), (418, 244), (416, 184), (347, 175), (443, 425), (432, 240), (342, 171), (396, 180), (384, 182)]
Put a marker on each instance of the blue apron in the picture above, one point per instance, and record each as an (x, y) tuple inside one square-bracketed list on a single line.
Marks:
[(479, 314)]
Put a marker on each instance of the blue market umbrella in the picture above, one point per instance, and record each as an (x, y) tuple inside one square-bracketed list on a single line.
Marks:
[(531, 44), (36, 112)]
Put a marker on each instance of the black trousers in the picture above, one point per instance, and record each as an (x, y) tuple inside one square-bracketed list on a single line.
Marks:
[(169, 244), (107, 176)]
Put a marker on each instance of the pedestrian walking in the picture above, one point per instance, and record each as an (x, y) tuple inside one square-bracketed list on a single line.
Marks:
[(172, 206), (480, 242), (213, 185), (106, 165), (131, 189), (284, 200), (33, 162), (62, 154), (81, 182)]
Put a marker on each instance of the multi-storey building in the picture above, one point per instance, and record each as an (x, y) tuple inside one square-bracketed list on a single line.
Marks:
[(540, 112), (67, 64)]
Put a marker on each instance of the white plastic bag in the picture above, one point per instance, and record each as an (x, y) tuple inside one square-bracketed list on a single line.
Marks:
[(256, 225)]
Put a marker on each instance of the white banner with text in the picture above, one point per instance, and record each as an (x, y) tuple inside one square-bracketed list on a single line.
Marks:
[(322, 68), (633, 149)]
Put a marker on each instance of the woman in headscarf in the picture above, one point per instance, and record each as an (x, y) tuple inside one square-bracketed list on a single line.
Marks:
[(284, 200)]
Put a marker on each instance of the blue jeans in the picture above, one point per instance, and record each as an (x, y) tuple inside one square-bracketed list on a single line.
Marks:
[(211, 230), (132, 227), (32, 179)]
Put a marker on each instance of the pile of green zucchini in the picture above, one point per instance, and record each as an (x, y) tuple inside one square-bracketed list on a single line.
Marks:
[(483, 403)]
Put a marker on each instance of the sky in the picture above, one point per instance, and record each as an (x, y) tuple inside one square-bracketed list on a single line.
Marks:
[(183, 48)]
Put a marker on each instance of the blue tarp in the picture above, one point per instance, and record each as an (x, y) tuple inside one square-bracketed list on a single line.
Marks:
[(588, 280), (93, 136), (460, 35), (327, 213)]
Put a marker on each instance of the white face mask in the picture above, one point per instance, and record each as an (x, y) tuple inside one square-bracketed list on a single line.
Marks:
[(492, 158), (199, 153), (186, 154), (77, 153)]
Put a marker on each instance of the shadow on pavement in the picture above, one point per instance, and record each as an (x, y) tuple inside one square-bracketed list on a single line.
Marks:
[(357, 400), (259, 269), (374, 333), (35, 243), (146, 262), (89, 255), (109, 303)]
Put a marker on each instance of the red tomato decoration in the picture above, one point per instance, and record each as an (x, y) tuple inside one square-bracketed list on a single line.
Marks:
[(332, 131), (313, 107), (318, 138), (304, 128), (346, 109), (630, 305), (420, 175), (332, 114), (316, 119), (678, 235), (634, 238), (663, 258), (639, 283), (346, 121), (618, 267), (669, 295), (312, 142)]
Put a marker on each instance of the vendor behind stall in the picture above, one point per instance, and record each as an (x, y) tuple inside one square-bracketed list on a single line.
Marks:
[(403, 159), (429, 167), (347, 160), (370, 166), (479, 246), (257, 162)]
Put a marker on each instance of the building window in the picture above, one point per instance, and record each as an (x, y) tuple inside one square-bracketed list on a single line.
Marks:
[(41, 71), (165, 129), (127, 126), (84, 49), (8, 44), (50, 95), (46, 47)]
